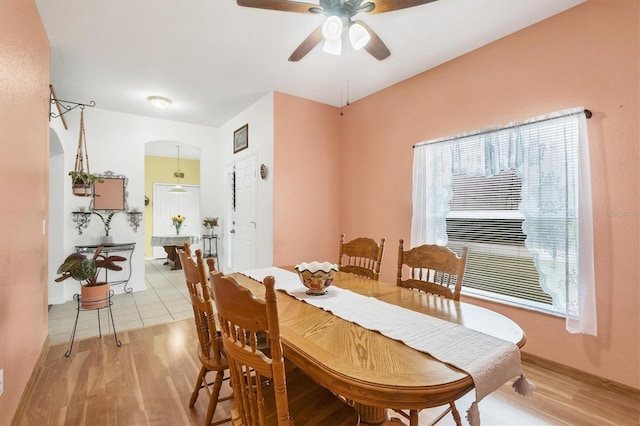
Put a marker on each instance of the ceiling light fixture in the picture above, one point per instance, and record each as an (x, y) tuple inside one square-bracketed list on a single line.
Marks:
[(359, 36), (332, 32), (159, 102), (178, 189)]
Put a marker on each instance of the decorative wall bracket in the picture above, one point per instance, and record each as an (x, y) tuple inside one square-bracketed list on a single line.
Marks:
[(63, 106), (135, 218), (81, 219), (67, 106)]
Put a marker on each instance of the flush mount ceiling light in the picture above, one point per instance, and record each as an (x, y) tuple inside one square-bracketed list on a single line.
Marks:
[(178, 189), (159, 102)]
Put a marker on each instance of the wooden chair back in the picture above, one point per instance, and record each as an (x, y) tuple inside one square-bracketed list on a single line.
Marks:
[(432, 268), (362, 256), (196, 278), (242, 316)]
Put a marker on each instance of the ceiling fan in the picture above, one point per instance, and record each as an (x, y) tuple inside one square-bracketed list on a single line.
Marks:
[(339, 14)]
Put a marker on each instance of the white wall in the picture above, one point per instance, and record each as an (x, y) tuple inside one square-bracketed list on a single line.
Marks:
[(115, 142), (261, 138), (57, 218)]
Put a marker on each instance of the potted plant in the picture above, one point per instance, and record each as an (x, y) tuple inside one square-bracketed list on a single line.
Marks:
[(106, 221), (210, 223), (94, 293), (177, 222), (82, 182)]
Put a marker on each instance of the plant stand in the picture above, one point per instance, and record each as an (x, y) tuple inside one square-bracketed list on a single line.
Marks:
[(210, 246), (107, 305)]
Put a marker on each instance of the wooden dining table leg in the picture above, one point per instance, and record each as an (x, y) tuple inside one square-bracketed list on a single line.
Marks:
[(173, 259), (371, 415)]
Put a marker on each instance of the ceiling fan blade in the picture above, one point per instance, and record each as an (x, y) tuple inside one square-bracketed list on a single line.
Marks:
[(376, 46), (282, 5), (391, 5), (307, 45)]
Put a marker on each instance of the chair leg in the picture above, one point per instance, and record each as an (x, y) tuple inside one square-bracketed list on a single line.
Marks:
[(455, 414), (413, 418), (196, 391), (215, 394)]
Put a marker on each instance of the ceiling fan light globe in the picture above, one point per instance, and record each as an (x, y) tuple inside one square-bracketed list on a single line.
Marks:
[(332, 28), (332, 46), (359, 36)]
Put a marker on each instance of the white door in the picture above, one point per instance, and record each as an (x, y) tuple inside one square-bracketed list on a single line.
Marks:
[(242, 230), (166, 205)]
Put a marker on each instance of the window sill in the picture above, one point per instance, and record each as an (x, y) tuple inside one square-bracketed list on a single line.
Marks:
[(508, 301)]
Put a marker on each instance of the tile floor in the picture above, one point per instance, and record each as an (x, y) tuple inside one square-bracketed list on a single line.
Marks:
[(165, 300)]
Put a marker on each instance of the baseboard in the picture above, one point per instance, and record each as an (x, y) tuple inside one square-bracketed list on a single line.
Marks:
[(31, 388), (578, 374), (56, 301)]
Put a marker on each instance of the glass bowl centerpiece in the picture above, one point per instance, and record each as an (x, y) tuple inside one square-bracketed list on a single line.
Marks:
[(316, 276)]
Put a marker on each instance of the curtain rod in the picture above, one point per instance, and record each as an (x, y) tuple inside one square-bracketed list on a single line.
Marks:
[(586, 112)]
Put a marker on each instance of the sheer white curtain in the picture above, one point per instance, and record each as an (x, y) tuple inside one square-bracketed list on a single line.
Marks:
[(551, 155)]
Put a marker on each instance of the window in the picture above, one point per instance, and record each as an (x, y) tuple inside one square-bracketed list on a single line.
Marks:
[(519, 196), (483, 215)]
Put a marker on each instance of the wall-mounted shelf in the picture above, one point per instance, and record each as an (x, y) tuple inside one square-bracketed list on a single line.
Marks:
[(81, 219), (134, 218)]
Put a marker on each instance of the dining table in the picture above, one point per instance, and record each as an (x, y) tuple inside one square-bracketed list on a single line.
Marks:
[(171, 244), (375, 372)]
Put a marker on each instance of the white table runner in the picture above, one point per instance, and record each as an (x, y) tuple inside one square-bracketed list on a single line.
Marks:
[(489, 361), (174, 240)]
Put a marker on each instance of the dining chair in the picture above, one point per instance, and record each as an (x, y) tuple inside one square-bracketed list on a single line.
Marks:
[(266, 392), (432, 268), (437, 270), (210, 353), (362, 256)]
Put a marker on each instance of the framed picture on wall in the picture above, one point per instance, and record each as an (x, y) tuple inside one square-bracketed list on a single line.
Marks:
[(241, 138)]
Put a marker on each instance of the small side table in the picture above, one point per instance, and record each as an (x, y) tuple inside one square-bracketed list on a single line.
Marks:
[(107, 305), (210, 247), (109, 248)]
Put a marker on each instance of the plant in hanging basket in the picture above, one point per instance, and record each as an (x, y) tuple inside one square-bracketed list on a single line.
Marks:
[(82, 182)]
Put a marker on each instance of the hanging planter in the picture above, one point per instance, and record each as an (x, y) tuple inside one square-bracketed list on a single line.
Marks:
[(82, 180), (82, 183)]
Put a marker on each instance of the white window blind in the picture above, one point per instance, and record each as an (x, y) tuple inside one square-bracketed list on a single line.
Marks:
[(484, 216), (465, 191)]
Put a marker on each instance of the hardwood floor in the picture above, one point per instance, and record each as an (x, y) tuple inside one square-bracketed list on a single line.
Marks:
[(149, 379)]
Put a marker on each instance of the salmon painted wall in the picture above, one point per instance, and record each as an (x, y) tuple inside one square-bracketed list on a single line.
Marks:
[(586, 56), (24, 170), (306, 181)]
